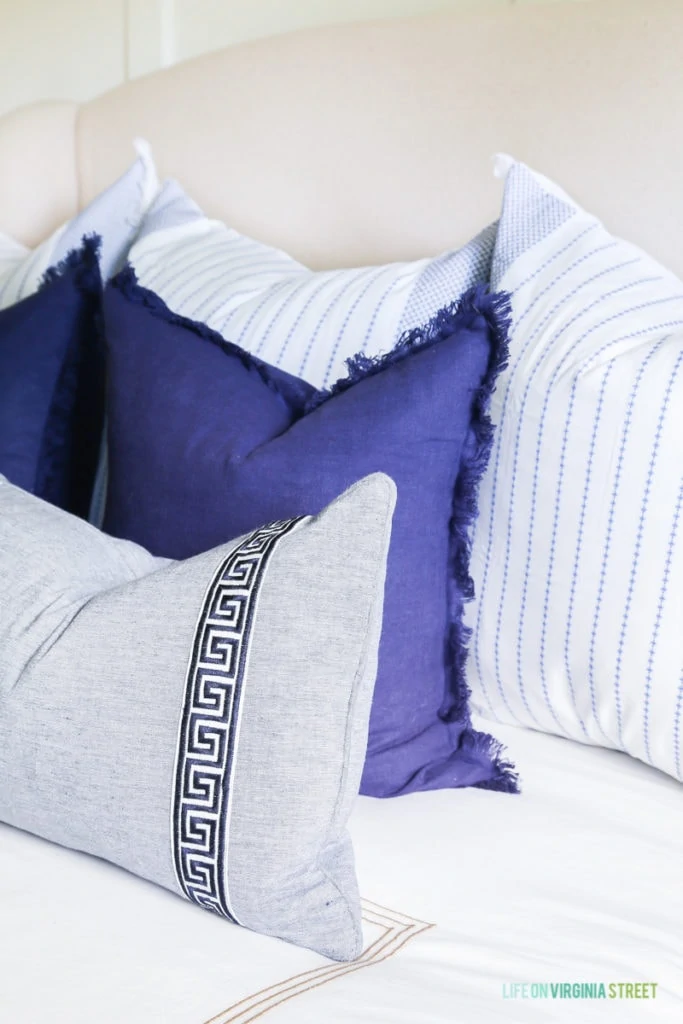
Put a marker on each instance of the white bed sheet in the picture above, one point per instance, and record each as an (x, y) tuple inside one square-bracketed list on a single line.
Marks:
[(576, 880)]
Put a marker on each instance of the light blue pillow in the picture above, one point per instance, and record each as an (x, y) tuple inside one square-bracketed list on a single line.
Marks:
[(114, 216)]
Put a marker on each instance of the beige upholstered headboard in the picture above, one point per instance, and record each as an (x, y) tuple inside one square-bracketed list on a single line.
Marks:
[(370, 142)]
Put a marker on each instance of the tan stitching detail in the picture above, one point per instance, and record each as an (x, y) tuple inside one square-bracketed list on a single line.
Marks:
[(315, 973), (400, 930), (393, 915), (355, 966)]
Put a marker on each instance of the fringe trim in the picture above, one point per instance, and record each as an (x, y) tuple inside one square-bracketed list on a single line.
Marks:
[(495, 309), (66, 463), (85, 261), (504, 776), (127, 284)]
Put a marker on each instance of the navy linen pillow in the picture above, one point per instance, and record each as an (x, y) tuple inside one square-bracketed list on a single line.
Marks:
[(52, 384), (206, 442)]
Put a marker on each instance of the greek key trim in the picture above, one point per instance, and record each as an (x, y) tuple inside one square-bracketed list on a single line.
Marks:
[(208, 732)]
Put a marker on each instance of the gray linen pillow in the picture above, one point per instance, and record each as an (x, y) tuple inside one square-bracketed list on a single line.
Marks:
[(203, 723)]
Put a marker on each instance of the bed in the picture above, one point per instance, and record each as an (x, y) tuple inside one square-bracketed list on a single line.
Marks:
[(347, 146), (465, 894)]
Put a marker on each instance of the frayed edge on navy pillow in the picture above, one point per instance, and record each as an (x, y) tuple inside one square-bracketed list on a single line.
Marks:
[(85, 261), (71, 443), (495, 309), (296, 391)]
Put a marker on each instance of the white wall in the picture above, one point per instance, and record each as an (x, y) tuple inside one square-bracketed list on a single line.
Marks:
[(75, 49), (59, 49)]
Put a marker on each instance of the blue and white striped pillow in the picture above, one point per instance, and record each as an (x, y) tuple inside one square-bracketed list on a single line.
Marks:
[(304, 322), (115, 215), (578, 551)]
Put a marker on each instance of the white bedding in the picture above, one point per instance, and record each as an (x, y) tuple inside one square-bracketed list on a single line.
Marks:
[(576, 880)]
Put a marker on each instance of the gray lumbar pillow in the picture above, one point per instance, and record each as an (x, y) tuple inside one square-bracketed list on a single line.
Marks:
[(201, 723)]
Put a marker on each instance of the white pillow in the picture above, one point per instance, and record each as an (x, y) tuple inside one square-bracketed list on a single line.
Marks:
[(314, 322), (578, 550), (115, 215)]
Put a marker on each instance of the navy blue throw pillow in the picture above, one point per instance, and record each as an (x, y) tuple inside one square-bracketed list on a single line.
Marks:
[(207, 442), (52, 384)]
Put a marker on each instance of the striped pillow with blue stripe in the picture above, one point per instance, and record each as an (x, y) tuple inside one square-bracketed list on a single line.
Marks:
[(578, 550), (304, 322)]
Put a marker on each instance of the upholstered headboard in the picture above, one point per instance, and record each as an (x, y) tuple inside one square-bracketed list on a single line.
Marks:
[(369, 142)]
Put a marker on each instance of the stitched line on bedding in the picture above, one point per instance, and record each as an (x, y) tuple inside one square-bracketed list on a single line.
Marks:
[(397, 930)]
